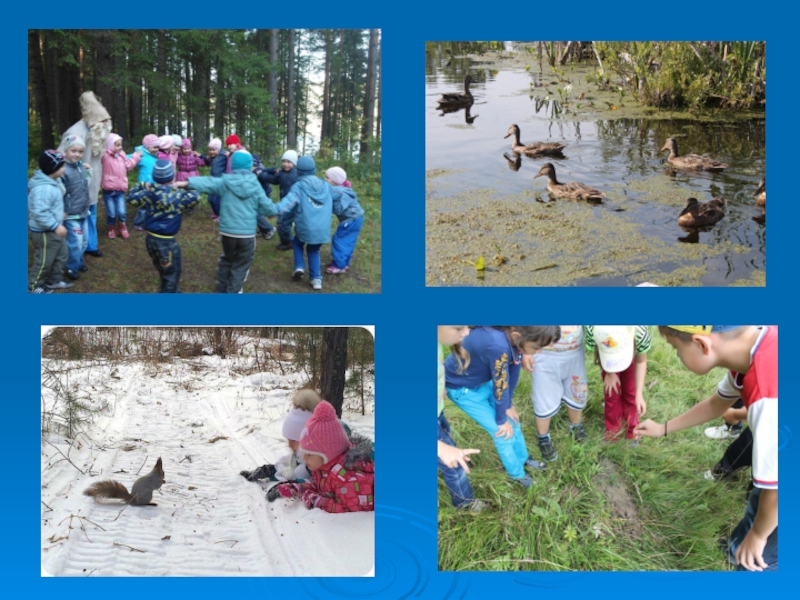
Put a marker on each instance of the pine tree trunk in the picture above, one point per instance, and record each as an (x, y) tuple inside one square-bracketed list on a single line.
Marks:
[(273, 88), (291, 130), (369, 95), (325, 133), (334, 366), (37, 78), (160, 91)]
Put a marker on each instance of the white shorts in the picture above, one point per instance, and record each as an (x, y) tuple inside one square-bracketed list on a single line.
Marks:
[(559, 377)]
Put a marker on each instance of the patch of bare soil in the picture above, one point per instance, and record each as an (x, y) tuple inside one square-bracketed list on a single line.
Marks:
[(612, 485)]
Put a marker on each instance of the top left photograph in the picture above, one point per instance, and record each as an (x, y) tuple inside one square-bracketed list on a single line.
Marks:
[(204, 161)]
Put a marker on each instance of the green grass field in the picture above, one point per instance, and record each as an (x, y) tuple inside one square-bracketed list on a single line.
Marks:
[(125, 266), (600, 506)]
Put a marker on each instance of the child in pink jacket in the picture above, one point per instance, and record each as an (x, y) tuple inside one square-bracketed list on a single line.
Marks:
[(188, 162), (114, 183), (342, 469)]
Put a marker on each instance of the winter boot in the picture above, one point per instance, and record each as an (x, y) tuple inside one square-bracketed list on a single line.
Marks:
[(111, 232), (123, 231)]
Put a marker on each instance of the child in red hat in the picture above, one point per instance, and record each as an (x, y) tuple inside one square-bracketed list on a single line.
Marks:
[(342, 469)]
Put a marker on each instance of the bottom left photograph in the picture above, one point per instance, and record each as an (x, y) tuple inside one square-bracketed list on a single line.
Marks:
[(207, 451)]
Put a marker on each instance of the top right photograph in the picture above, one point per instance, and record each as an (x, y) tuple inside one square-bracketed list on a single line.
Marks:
[(595, 164)]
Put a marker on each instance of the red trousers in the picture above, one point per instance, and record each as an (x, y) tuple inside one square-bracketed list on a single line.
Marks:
[(620, 408)]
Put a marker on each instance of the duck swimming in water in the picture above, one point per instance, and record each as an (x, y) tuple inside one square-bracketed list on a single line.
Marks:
[(535, 148), (690, 161), (697, 214), (578, 191), (455, 100)]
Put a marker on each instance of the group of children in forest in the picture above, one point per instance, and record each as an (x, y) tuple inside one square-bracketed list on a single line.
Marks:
[(481, 373), (168, 187), (329, 467)]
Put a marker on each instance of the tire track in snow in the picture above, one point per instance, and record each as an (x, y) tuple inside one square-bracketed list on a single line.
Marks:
[(208, 522)]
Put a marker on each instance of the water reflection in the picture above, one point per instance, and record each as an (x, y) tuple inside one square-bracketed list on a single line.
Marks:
[(616, 154)]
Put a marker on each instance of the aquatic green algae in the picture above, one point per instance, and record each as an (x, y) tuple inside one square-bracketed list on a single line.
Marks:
[(530, 243)]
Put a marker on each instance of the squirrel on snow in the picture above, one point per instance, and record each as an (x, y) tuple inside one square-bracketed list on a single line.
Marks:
[(140, 495)]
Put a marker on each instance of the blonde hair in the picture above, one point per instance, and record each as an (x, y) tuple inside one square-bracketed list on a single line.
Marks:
[(306, 399), (461, 355)]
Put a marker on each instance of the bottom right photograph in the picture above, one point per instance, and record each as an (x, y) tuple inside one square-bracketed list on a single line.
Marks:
[(608, 448)]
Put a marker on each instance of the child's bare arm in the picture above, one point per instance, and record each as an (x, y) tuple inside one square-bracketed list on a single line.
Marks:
[(749, 554), (705, 411)]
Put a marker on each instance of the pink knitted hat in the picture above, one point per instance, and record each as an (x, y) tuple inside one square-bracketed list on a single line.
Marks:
[(215, 144), (324, 434), (150, 140), (165, 142), (186, 143)]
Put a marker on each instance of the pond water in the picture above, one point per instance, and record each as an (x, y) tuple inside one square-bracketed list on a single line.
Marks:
[(482, 198)]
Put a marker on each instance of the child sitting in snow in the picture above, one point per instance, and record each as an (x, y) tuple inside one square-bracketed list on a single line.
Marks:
[(291, 466), (342, 469)]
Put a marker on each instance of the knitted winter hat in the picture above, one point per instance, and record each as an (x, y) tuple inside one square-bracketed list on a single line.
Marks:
[(176, 139), (92, 110), (51, 161), (150, 140), (70, 140), (232, 139), (165, 142), (215, 144), (242, 159), (295, 422), (324, 434), (306, 166), (112, 139), (163, 171), (337, 175), (291, 156), (186, 143)]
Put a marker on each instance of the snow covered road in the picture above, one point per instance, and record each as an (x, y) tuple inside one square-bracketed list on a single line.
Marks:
[(206, 425)]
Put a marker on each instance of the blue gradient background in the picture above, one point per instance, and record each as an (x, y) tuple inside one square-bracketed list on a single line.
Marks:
[(405, 314)]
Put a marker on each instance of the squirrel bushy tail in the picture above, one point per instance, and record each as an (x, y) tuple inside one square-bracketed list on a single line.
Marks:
[(140, 495)]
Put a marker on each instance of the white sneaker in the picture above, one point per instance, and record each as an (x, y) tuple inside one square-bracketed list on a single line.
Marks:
[(298, 274), (723, 432), (316, 284)]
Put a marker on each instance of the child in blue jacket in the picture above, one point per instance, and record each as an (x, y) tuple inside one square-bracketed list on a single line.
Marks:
[(351, 218), (310, 205), (242, 200), (217, 159), (46, 213), (284, 177), (149, 151), (164, 205)]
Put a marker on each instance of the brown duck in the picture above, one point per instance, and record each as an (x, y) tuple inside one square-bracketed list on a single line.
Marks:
[(578, 191), (696, 214), (536, 148), (690, 161), (463, 99), (761, 193)]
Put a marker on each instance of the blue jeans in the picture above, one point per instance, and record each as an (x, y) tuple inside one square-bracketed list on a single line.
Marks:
[(313, 258), (770, 554), (77, 241), (344, 242), (264, 226), (214, 202), (115, 207), (166, 256), (140, 218), (454, 477), (91, 228), (284, 229), (479, 404)]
